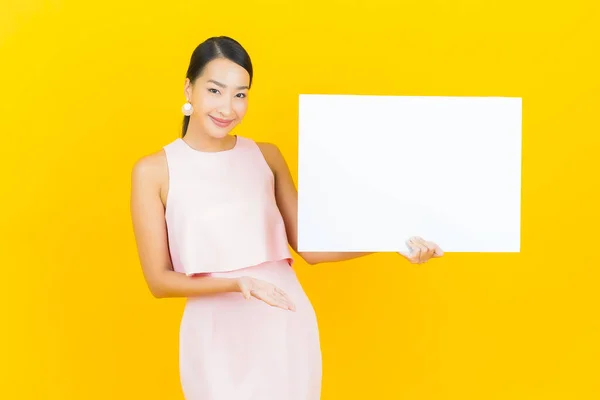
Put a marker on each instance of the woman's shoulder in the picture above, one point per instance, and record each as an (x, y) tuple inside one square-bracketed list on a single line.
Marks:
[(269, 149), (151, 168), (272, 155)]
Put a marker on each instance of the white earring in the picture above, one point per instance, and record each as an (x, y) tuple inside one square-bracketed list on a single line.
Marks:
[(187, 109)]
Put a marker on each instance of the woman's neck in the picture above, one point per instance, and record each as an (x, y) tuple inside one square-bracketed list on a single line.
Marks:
[(203, 142)]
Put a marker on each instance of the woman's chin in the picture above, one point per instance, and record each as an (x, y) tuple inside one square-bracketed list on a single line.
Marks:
[(221, 134)]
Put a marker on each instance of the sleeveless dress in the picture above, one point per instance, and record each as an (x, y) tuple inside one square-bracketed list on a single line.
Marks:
[(223, 221)]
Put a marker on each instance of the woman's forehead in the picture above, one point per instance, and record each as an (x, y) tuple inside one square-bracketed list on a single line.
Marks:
[(226, 72)]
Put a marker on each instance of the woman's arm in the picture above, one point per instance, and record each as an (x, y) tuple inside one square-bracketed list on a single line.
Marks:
[(148, 218), (287, 201)]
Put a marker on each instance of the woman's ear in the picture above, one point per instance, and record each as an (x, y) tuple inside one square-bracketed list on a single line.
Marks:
[(187, 89)]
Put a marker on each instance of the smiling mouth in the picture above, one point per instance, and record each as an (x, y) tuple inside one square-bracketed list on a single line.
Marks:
[(221, 122)]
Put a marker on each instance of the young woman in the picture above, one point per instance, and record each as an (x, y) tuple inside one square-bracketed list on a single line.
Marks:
[(213, 214)]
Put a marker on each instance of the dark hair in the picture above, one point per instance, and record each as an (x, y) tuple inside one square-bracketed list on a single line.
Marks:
[(210, 49)]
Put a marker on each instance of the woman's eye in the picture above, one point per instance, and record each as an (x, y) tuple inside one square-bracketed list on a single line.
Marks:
[(241, 95), (213, 90)]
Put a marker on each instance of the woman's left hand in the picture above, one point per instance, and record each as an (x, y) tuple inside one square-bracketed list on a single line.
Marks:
[(421, 250)]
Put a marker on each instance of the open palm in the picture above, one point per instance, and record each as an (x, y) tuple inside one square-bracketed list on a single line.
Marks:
[(265, 291)]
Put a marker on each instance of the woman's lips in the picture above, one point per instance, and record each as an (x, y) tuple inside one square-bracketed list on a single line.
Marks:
[(221, 122)]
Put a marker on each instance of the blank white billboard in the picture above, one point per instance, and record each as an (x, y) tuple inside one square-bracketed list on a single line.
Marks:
[(376, 170)]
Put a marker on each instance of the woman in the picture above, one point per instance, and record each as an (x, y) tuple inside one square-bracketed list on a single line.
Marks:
[(213, 215)]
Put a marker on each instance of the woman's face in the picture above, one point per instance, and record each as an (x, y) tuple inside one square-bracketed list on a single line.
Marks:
[(219, 97)]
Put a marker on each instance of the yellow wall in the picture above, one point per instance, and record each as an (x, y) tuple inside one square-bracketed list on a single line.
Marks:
[(88, 88)]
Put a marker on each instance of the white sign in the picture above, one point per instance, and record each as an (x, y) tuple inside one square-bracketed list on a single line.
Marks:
[(376, 170)]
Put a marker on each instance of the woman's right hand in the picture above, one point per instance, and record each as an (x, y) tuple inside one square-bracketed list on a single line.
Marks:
[(265, 291)]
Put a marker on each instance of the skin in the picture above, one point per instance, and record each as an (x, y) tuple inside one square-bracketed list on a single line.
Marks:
[(221, 92)]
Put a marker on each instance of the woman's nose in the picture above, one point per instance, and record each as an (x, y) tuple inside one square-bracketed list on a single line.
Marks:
[(226, 108)]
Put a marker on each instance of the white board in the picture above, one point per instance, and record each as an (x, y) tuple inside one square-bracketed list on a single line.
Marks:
[(376, 170)]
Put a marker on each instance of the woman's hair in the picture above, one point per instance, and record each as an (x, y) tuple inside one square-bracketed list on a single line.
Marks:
[(210, 49)]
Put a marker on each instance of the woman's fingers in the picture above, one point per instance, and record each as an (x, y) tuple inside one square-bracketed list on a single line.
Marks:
[(413, 251), (433, 249), (437, 251), (275, 297), (278, 301), (283, 299), (417, 255), (286, 298), (270, 299), (421, 250), (427, 249), (285, 303)]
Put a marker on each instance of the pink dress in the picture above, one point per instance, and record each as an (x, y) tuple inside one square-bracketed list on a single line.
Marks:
[(222, 220)]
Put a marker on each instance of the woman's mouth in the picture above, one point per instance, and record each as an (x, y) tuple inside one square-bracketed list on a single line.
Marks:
[(222, 123)]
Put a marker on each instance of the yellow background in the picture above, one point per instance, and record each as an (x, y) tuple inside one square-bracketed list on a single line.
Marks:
[(89, 87)]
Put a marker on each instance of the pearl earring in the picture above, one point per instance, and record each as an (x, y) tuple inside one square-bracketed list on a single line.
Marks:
[(187, 109)]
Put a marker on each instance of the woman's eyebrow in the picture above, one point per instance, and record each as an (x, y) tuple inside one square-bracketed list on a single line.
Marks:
[(224, 86)]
